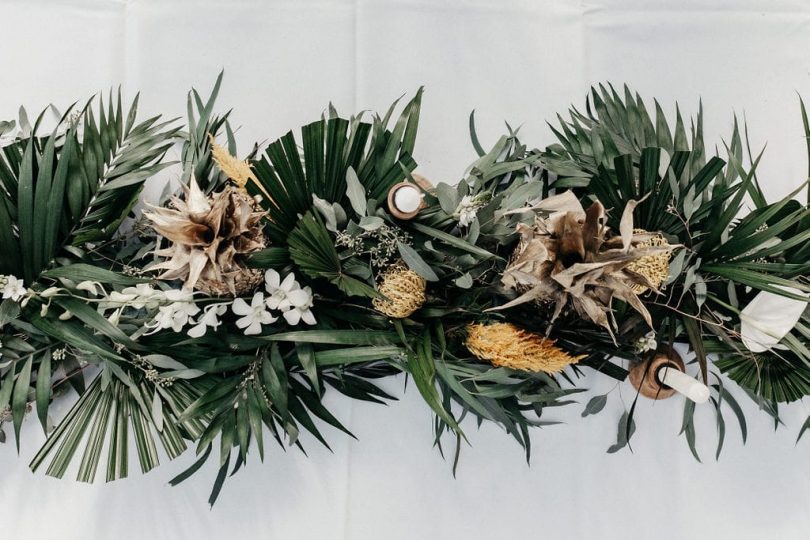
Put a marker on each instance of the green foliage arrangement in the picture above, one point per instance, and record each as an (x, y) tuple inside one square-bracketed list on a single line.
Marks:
[(220, 317)]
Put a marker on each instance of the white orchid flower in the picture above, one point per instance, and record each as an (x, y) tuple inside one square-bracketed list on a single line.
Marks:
[(118, 299), (145, 296), (115, 317), (50, 291), (14, 288), (279, 290), (93, 287), (209, 319), (254, 316), (300, 303), (175, 315)]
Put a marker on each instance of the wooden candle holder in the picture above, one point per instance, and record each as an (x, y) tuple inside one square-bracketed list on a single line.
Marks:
[(421, 182), (644, 375)]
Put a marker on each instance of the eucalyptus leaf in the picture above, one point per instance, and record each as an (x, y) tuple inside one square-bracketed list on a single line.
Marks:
[(415, 262), (355, 192), (595, 405)]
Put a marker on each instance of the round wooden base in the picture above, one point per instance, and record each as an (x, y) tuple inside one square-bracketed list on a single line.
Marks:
[(644, 375), (423, 183)]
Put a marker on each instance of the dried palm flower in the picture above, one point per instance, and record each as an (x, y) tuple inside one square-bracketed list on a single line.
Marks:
[(653, 267), (237, 170), (403, 291), (506, 345), (210, 237), (571, 258)]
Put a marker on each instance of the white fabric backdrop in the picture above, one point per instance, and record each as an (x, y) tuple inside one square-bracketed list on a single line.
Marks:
[(515, 60)]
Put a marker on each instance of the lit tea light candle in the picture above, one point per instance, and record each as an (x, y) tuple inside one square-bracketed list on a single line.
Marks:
[(684, 384)]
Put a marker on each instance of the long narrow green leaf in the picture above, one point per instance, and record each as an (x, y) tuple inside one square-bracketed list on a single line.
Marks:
[(19, 398), (43, 389)]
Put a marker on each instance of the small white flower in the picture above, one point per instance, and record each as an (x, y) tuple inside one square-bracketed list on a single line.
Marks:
[(142, 296), (93, 287), (279, 290), (30, 293), (466, 211), (175, 315), (14, 288), (254, 315), (646, 343), (115, 318), (117, 299), (148, 297), (178, 295), (300, 304), (50, 291), (209, 318)]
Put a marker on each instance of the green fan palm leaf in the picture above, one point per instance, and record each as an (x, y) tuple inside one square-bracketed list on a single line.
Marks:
[(111, 411), (617, 154), (289, 176)]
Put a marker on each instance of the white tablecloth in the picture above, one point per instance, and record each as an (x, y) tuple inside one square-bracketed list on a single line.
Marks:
[(516, 60)]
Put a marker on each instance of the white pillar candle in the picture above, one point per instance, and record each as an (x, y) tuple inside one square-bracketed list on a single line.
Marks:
[(407, 199), (683, 383)]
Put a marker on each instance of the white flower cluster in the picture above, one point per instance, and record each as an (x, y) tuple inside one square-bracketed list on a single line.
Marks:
[(175, 313), (177, 309), (646, 343), (467, 209), (13, 288), (285, 296)]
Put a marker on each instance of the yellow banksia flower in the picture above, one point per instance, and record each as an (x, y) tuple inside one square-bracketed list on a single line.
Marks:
[(653, 267), (506, 345), (404, 292)]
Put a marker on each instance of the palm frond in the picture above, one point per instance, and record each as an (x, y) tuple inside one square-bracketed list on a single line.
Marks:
[(204, 123), (777, 378), (75, 187), (267, 395), (615, 126), (313, 251), (107, 415), (330, 146)]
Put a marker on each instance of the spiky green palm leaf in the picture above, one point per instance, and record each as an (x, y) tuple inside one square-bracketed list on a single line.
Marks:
[(75, 187), (62, 197), (280, 390), (107, 415), (614, 126), (617, 154), (204, 123)]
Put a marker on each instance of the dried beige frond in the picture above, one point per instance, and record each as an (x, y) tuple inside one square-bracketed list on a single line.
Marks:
[(506, 345)]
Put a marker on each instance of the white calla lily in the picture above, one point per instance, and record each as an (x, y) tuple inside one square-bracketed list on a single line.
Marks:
[(769, 317)]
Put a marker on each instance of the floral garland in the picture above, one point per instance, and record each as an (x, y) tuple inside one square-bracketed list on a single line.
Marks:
[(223, 312)]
